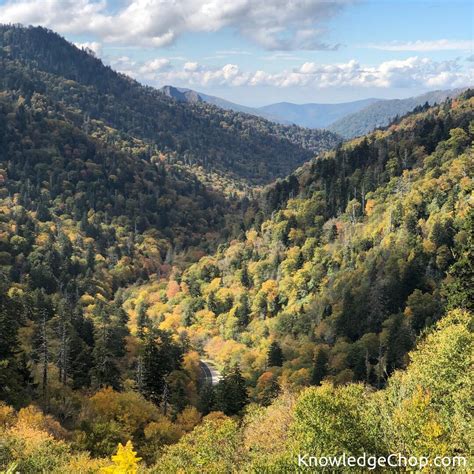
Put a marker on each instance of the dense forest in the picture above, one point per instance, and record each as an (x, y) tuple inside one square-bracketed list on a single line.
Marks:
[(227, 150), (383, 112), (345, 274), (336, 302)]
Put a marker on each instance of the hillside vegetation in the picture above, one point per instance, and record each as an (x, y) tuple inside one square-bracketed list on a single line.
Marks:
[(383, 112), (337, 305), (418, 414), (345, 274), (423, 412), (227, 150), (314, 115)]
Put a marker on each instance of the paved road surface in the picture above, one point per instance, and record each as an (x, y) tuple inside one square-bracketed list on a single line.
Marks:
[(209, 373)]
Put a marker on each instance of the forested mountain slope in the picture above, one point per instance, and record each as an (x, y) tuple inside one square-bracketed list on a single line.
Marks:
[(422, 415), (362, 251), (348, 119), (382, 112), (330, 278), (79, 220), (86, 210), (189, 95), (304, 115), (57, 168), (342, 278), (315, 115), (226, 149)]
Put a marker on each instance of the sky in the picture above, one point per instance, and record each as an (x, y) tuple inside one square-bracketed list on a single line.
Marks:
[(257, 52)]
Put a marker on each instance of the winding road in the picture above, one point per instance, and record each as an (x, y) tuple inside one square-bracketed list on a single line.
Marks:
[(210, 374)]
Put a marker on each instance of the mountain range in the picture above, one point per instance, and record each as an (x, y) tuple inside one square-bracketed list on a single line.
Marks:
[(329, 281), (347, 119), (238, 151), (382, 112), (188, 95), (303, 115)]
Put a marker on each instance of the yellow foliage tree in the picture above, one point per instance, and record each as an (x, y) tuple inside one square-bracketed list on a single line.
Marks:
[(124, 462)]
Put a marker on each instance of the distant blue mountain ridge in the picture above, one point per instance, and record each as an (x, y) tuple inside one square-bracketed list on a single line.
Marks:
[(348, 119)]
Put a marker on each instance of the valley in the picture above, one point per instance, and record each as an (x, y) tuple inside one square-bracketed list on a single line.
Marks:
[(348, 120), (187, 288)]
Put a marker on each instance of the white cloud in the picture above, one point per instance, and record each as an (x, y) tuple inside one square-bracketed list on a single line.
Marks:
[(93, 46), (62, 15), (194, 74), (407, 73), (122, 62), (191, 66), (155, 65), (273, 24), (150, 68), (127, 66), (424, 46), (281, 56)]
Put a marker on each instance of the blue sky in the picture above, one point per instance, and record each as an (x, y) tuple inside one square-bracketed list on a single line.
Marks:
[(258, 52)]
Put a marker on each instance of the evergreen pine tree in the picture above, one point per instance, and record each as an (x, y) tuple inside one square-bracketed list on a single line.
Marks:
[(274, 355), (231, 392), (16, 384), (109, 345), (244, 276), (458, 287), (160, 357), (142, 320), (243, 311), (206, 401), (319, 367)]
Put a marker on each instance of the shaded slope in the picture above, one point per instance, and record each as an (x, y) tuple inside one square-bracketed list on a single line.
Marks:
[(197, 136), (381, 113)]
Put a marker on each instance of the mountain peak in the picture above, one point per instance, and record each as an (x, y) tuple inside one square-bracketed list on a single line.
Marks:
[(181, 94)]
